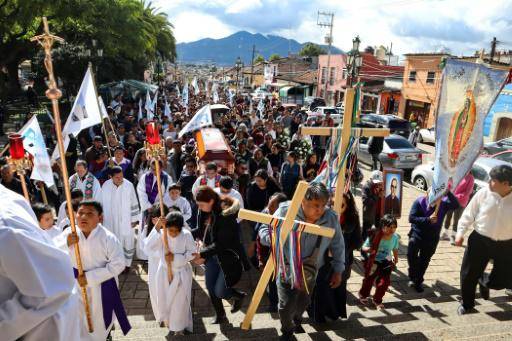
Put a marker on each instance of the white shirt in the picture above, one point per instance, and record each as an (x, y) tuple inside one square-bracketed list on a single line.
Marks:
[(197, 183), (232, 194), (37, 296), (490, 214), (182, 204)]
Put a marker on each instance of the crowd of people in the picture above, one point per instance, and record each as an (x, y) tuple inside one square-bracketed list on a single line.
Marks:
[(119, 217)]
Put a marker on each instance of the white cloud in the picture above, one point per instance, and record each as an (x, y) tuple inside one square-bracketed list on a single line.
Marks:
[(191, 26)]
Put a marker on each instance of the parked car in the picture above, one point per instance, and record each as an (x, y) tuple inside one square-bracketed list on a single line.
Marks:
[(503, 156), (310, 102), (340, 107), (422, 175), (498, 146), (396, 125), (319, 113), (397, 152), (427, 135)]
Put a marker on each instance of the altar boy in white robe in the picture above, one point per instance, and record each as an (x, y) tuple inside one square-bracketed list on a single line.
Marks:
[(38, 300), (175, 199), (102, 261), (173, 299), (121, 211), (147, 190)]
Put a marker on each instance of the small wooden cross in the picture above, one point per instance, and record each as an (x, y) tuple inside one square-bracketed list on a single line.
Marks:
[(346, 132), (289, 221)]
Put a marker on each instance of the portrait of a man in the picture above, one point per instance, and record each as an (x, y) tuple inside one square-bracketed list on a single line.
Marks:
[(393, 193)]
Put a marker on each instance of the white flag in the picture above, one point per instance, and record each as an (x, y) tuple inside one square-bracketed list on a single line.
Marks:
[(103, 110), (155, 101), (231, 96), (149, 107), (33, 141), (196, 86), (167, 110), (140, 109), (215, 97), (261, 108), (86, 110), (201, 119), (178, 91), (184, 94)]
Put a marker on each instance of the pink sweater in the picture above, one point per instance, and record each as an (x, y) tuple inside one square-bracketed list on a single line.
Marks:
[(464, 189)]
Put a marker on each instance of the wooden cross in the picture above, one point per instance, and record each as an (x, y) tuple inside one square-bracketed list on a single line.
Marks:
[(346, 132), (289, 221)]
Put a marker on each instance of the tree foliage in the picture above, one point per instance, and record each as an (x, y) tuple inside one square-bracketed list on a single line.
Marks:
[(259, 59), (131, 33), (273, 57), (311, 50)]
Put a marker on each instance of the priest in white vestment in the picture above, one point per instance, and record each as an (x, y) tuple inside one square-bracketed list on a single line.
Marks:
[(84, 180), (147, 190), (38, 298), (173, 299), (102, 260), (121, 211)]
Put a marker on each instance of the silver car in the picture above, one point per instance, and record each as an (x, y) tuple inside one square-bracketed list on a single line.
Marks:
[(422, 175), (397, 152)]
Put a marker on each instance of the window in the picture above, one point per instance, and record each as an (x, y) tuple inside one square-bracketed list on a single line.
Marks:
[(324, 75), (396, 143), (412, 76), (431, 76), (344, 73), (332, 76)]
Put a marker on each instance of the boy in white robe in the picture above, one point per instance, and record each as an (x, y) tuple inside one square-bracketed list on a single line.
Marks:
[(102, 260), (173, 299), (175, 199), (45, 219), (76, 196), (38, 299), (121, 211), (85, 181)]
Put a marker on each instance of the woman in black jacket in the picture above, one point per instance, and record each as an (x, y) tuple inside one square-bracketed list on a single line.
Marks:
[(221, 250), (260, 191)]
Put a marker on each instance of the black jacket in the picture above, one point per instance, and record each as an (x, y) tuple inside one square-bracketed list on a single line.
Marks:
[(375, 145), (257, 199)]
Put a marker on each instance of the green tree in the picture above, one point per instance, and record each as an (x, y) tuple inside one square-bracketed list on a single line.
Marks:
[(259, 59), (273, 57), (311, 50)]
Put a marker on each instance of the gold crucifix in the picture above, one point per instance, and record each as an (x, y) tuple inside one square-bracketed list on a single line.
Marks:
[(53, 93), (346, 132)]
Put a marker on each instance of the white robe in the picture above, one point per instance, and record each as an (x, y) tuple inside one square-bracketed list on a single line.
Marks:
[(102, 259), (61, 215), (144, 205), (96, 187), (53, 232), (120, 210), (38, 299), (182, 204), (173, 300)]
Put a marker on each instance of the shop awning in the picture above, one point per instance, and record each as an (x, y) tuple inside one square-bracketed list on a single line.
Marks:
[(283, 92)]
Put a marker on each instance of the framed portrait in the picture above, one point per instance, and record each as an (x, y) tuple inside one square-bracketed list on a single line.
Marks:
[(392, 200)]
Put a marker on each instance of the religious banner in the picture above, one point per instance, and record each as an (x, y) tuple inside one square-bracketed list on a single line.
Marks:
[(468, 91), (201, 119)]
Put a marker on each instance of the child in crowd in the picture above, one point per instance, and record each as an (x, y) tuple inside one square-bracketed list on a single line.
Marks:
[(44, 215), (173, 299), (175, 199), (382, 248)]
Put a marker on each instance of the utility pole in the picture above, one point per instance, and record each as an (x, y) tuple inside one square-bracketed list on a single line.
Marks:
[(252, 62), (328, 20), (493, 48)]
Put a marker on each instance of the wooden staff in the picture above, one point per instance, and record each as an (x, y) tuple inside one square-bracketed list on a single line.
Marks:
[(43, 193), (4, 150), (161, 198), (46, 40), (24, 186)]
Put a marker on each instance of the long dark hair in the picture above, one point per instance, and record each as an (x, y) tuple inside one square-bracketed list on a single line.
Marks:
[(269, 180), (351, 214), (205, 194), (155, 213)]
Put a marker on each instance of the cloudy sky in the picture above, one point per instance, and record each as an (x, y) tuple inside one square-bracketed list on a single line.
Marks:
[(462, 26)]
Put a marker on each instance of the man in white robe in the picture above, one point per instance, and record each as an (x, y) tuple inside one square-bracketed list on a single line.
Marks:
[(38, 300), (173, 300), (84, 180), (147, 190), (102, 260), (121, 211)]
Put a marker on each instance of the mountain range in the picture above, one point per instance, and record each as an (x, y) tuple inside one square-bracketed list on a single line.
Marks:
[(225, 51)]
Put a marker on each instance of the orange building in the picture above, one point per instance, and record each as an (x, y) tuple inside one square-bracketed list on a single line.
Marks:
[(420, 88)]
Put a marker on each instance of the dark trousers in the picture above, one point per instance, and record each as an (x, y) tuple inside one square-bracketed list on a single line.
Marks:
[(382, 278), (479, 251), (375, 161), (455, 214), (215, 282), (419, 253), (292, 304)]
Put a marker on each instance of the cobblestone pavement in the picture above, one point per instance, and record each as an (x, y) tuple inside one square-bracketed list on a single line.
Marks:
[(408, 315)]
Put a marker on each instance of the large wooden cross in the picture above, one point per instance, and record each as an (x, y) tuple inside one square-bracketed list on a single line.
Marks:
[(289, 221), (346, 132)]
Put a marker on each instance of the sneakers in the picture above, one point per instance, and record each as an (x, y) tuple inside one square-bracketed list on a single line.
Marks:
[(444, 236)]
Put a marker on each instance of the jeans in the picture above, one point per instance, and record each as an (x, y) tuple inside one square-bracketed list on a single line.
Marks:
[(215, 282), (419, 253)]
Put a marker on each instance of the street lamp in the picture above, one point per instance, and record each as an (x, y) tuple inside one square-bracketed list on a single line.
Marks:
[(354, 61), (238, 65)]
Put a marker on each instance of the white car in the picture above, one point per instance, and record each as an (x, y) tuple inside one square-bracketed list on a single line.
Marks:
[(319, 114), (427, 135)]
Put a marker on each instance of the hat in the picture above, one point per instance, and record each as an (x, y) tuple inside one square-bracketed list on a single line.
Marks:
[(376, 176)]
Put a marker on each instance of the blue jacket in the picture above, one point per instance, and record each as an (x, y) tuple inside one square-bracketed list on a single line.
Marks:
[(308, 241)]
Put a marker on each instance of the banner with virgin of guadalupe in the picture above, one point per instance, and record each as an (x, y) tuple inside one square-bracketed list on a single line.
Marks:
[(468, 91)]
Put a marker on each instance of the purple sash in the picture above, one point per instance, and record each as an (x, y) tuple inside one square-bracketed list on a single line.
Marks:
[(111, 302), (152, 191)]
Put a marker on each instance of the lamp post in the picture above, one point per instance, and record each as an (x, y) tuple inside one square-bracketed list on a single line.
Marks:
[(354, 61), (238, 66)]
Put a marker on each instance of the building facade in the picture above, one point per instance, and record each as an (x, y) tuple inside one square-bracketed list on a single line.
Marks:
[(332, 79)]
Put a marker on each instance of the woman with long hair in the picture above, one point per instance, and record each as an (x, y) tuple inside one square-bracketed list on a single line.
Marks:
[(325, 301), (220, 249), (260, 190), (140, 164)]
